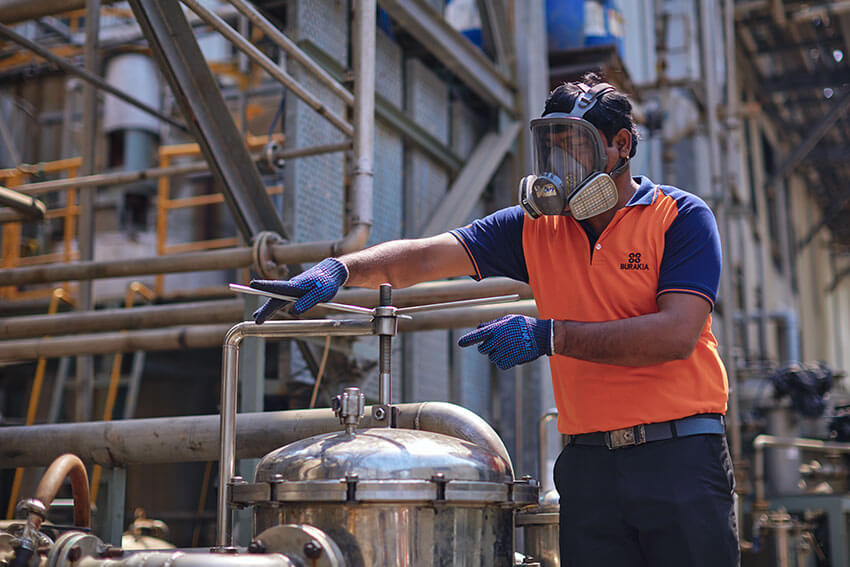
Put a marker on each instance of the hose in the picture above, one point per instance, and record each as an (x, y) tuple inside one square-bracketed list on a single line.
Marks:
[(64, 466)]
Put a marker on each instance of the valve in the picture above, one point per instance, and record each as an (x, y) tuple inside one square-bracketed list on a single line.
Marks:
[(350, 407)]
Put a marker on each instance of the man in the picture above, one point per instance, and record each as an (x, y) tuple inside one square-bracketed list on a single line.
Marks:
[(624, 273)]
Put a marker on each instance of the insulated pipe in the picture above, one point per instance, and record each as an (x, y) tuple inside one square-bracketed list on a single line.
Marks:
[(205, 336), (64, 466), (230, 310)]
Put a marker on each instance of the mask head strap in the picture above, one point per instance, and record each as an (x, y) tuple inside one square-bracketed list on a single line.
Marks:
[(590, 96)]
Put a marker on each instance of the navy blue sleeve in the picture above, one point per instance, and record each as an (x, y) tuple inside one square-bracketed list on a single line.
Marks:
[(692, 258), (494, 244)]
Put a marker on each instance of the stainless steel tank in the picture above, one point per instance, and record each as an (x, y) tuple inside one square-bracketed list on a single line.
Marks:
[(540, 530), (394, 496)]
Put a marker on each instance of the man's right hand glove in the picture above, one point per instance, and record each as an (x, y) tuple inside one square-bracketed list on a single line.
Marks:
[(512, 339), (319, 283)]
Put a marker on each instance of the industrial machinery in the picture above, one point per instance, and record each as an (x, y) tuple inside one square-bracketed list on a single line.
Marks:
[(378, 496)]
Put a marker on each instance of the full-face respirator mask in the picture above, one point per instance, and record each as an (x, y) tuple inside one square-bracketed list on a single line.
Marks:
[(569, 163)]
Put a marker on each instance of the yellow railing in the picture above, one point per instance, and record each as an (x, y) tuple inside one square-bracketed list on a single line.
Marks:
[(17, 251), (35, 397), (165, 204), (14, 245)]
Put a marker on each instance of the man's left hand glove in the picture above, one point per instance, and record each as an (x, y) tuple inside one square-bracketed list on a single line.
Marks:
[(512, 339)]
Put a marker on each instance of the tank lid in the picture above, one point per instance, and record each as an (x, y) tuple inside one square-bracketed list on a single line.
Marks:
[(383, 465), (383, 454)]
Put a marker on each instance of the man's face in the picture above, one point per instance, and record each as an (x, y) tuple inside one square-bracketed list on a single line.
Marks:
[(576, 143)]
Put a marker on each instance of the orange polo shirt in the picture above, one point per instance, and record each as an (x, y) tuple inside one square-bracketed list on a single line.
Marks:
[(664, 240)]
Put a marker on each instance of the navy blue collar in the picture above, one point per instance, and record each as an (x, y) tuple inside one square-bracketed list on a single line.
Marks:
[(645, 194)]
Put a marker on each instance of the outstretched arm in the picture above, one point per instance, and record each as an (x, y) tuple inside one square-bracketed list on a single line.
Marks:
[(400, 262), (403, 263)]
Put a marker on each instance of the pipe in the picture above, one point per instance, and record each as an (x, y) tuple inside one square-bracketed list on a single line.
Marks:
[(29, 208), (762, 441), (364, 32), (229, 381), (172, 338), (230, 310), (193, 559), (205, 336), (543, 447), (86, 75), (293, 50), (721, 196), (196, 438), (733, 129), (80, 271), (122, 177), (64, 466), (267, 64)]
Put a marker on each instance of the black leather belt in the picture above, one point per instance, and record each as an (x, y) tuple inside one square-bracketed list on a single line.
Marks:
[(702, 424)]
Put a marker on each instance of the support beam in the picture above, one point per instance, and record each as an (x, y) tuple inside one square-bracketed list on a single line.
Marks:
[(457, 53), (277, 36), (455, 208), (268, 65), (16, 11), (86, 75), (494, 20), (817, 132), (196, 91)]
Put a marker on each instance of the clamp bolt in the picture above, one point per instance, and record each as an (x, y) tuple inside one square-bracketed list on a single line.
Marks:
[(257, 546), (312, 550), (75, 553)]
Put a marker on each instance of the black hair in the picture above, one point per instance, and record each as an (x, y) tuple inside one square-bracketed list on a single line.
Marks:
[(610, 114)]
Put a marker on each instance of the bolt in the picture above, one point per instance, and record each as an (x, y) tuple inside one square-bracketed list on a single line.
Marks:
[(257, 546), (380, 414), (109, 552), (74, 553), (312, 550)]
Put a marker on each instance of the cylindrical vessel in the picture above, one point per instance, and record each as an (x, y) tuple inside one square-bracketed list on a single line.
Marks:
[(540, 530), (564, 24), (395, 497)]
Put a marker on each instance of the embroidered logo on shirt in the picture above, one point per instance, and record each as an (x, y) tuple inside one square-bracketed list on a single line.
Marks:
[(634, 263)]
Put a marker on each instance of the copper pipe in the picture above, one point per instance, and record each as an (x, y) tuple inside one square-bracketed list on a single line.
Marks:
[(64, 466)]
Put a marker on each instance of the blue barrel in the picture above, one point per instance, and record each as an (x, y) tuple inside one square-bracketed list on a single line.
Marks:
[(463, 16), (603, 23), (565, 24)]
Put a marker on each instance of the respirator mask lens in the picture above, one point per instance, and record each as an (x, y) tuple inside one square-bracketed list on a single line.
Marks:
[(567, 148)]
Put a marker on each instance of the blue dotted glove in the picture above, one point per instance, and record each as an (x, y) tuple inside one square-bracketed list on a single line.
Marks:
[(511, 340), (319, 283)]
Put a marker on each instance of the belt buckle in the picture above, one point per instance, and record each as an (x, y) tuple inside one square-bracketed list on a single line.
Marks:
[(626, 437)]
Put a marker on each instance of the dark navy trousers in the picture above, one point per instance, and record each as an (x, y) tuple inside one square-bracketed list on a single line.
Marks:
[(665, 503)]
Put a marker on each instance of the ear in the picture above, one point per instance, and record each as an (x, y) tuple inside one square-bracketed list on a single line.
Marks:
[(623, 142)]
